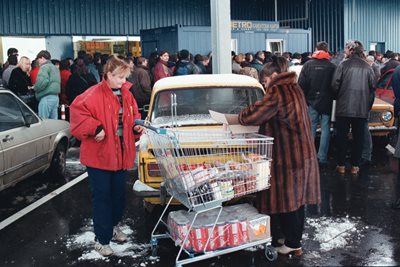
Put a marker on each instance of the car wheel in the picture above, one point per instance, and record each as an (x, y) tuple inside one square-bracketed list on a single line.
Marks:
[(58, 162)]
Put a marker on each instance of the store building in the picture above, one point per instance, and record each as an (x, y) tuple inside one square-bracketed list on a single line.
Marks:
[(246, 36), (57, 24)]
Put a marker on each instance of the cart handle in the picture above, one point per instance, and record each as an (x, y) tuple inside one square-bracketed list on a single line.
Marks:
[(148, 126)]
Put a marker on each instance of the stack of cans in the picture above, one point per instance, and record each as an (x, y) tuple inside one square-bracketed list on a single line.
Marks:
[(237, 225)]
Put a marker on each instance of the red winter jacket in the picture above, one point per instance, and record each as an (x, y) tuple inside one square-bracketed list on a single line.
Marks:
[(99, 106)]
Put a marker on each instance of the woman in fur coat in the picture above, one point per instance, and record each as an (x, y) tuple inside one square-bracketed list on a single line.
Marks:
[(282, 114)]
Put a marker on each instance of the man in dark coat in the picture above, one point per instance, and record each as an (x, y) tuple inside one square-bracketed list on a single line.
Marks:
[(141, 88), (315, 80), (295, 181), (354, 86)]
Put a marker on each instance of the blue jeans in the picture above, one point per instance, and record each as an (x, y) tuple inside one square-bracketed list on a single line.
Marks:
[(48, 107), (325, 123), (108, 201), (366, 153)]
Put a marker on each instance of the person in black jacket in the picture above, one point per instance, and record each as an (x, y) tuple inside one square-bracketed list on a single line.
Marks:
[(20, 83), (79, 81), (315, 79), (354, 86)]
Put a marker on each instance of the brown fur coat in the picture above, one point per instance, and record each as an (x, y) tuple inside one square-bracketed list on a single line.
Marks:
[(282, 114)]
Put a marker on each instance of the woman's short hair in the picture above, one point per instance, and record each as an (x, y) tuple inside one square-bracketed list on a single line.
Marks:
[(22, 61), (279, 64), (116, 66)]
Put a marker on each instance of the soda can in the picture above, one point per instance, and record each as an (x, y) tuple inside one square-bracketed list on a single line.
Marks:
[(182, 229), (221, 234), (234, 233), (211, 235), (243, 230), (199, 237)]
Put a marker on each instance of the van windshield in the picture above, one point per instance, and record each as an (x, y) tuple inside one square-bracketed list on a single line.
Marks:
[(193, 104)]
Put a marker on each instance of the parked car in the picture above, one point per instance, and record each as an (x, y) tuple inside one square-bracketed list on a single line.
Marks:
[(193, 96), (29, 144), (381, 119)]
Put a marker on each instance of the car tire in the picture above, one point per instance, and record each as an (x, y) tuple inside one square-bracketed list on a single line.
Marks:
[(58, 162)]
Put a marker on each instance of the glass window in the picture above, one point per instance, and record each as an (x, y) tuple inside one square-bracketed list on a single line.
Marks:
[(198, 101), (10, 113)]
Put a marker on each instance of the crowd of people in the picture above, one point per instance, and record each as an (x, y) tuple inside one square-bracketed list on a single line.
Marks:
[(302, 92)]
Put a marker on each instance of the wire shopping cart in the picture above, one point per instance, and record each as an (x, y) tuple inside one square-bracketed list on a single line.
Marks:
[(203, 169)]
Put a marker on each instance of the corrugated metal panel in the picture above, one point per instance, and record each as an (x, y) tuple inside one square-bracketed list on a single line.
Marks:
[(324, 17), (373, 21), (98, 17), (329, 20)]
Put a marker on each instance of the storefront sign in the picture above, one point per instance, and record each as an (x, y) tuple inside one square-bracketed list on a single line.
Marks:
[(248, 25)]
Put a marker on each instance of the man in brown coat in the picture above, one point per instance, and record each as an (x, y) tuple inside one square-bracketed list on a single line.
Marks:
[(282, 114)]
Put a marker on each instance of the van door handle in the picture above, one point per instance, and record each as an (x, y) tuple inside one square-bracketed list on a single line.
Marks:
[(8, 138)]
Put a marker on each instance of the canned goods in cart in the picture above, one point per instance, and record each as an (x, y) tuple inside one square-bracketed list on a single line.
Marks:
[(221, 234), (243, 229), (234, 235), (182, 225), (211, 234), (199, 237)]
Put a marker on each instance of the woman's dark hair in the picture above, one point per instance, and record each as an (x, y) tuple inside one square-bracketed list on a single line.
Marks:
[(249, 56), (162, 53), (64, 64), (12, 60), (80, 67), (279, 64)]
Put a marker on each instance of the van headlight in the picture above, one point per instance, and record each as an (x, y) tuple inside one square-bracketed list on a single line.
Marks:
[(386, 116)]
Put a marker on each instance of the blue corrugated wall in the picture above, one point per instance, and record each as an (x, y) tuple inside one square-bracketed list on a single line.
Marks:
[(373, 21), (330, 20)]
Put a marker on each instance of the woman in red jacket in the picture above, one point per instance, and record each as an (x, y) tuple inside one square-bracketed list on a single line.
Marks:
[(161, 69), (103, 119)]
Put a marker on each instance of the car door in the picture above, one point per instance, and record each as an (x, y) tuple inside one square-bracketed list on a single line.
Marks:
[(19, 139), (1, 165)]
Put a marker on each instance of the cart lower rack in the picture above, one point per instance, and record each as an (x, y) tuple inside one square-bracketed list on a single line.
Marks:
[(202, 170)]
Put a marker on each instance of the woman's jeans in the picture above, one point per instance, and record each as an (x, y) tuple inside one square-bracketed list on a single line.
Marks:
[(108, 201)]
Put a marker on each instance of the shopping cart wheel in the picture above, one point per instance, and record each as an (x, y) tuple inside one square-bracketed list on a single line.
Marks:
[(154, 247), (154, 250), (271, 253)]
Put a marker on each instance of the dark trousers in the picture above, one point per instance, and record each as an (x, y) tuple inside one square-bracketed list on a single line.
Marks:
[(289, 226), (108, 201), (357, 131)]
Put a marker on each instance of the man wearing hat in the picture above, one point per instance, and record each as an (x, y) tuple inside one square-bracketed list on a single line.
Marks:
[(47, 86)]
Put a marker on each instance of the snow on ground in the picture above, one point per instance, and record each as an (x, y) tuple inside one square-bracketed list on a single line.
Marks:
[(333, 233), (84, 241)]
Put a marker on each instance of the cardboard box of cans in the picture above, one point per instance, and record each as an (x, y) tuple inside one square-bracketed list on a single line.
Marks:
[(237, 225)]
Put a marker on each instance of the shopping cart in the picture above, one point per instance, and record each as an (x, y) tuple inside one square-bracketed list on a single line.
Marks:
[(203, 169)]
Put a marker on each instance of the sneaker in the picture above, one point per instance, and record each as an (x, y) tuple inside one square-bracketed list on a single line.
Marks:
[(355, 170), (340, 169), (284, 250), (103, 250), (118, 235)]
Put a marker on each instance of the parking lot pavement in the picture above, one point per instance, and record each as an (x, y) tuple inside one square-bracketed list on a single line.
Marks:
[(354, 225)]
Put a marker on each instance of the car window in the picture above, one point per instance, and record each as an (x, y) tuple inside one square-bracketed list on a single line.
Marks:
[(29, 116), (11, 115), (198, 101)]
